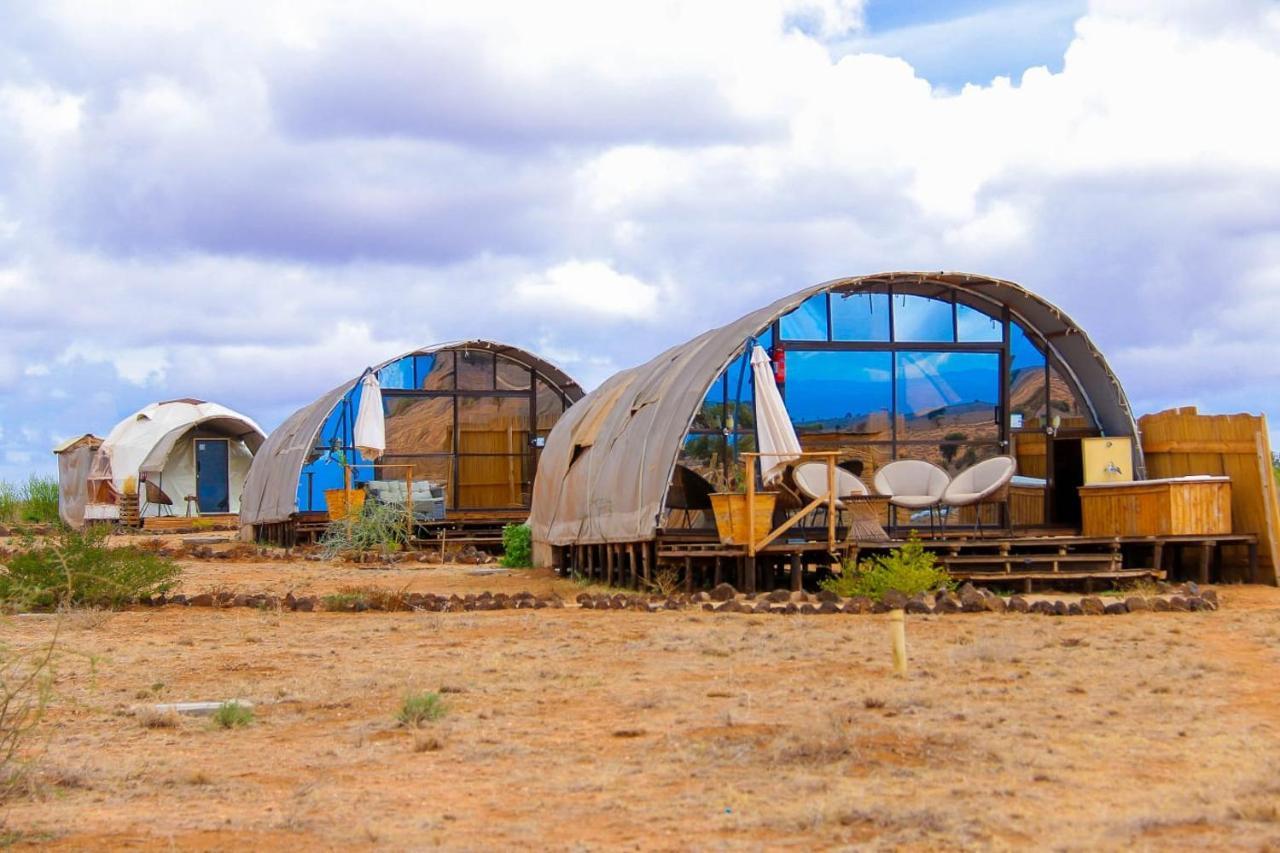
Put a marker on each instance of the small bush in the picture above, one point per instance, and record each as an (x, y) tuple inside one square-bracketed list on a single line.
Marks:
[(909, 569), (517, 546), (378, 527), (76, 569), (232, 715), (24, 693), (419, 708), (347, 599)]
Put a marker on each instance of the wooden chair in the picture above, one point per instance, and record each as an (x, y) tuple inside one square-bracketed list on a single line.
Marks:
[(156, 497)]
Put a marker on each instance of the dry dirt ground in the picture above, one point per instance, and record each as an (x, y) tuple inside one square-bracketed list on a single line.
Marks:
[(597, 730)]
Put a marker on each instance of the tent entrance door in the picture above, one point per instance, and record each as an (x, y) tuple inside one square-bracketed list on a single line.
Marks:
[(213, 479)]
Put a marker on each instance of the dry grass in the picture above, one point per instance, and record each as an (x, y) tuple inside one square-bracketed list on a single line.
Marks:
[(667, 729)]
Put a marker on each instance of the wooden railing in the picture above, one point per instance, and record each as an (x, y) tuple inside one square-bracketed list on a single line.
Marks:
[(830, 499)]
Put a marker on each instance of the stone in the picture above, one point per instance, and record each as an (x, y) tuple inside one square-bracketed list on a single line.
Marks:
[(1160, 605), (701, 596), (204, 599), (995, 604), (1074, 609), (880, 607), (808, 609), (762, 606), (723, 592), (917, 604), (179, 598), (1163, 588), (1136, 603), (893, 599), (306, 604), (827, 595), (946, 604), (780, 596), (1211, 596), (828, 607), (1092, 605), (1115, 608), (1179, 604), (707, 605), (966, 587), (730, 606), (971, 599), (583, 598), (799, 596), (1196, 604), (1191, 588), (1018, 604), (858, 604)]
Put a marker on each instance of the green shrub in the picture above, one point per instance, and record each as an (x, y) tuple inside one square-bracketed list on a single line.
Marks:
[(517, 546), (378, 527), (24, 693), (33, 502), (909, 569), (232, 715), (77, 569), (419, 708)]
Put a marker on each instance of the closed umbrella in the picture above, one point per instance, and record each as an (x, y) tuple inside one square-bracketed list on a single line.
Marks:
[(371, 428), (775, 434)]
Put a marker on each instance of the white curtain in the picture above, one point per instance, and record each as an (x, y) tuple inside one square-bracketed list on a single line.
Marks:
[(774, 432), (371, 427)]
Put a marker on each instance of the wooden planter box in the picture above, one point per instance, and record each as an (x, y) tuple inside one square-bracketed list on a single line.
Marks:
[(1199, 506), (731, 515)]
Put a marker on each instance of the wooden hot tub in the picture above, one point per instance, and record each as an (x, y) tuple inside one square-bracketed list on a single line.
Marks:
[(1185, 506)]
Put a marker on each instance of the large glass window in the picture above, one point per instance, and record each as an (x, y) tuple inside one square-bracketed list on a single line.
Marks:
[(465, 420), (973, 326), (948, 393)]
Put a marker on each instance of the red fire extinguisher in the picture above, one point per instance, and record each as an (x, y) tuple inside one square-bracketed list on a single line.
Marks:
[(779, 365)]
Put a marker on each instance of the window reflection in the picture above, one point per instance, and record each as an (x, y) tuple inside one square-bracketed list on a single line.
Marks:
[(921, 319), (808, 322), (438, 374), (844, 392), (973, 326), (947, 393), (475, 370), (860, 316)]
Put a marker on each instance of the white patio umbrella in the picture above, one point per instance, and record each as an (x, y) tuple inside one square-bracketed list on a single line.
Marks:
[(775, 435), (371, 428)]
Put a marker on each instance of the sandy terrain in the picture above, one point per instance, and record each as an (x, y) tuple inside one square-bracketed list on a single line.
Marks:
[(587, 729)]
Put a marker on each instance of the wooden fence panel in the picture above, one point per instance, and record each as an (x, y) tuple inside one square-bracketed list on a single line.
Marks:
[(1181, 442)]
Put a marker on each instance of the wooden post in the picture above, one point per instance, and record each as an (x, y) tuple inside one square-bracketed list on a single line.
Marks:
[(408, 506), (749, 461), (608, 564), (750, 575), (631, 565), (1206, 557), (898, 631), (647, 557), (831, 502), (346, 494), (688, 574), (717, 577), (797, 572)]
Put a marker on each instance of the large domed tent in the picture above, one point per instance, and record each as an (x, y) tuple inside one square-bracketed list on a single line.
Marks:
[(182, 448)]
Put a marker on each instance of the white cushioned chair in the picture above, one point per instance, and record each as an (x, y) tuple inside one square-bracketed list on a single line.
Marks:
[(913, 484), (811, 479), (984, 483)]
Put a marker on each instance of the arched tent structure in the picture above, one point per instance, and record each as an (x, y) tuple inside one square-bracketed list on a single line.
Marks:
[(182, 447), (469, 416), (951, 367)]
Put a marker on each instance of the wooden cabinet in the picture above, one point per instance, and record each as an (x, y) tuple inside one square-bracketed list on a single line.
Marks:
[(1188, 506)]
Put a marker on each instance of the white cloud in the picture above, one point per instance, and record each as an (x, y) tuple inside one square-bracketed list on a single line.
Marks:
[(591, 286)]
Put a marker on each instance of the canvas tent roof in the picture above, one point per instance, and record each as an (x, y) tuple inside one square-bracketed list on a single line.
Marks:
[(143, 441), (271, 490), (606, 467)]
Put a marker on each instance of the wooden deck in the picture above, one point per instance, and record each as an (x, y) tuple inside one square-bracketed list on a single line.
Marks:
[(1021, 558), (190, 524)]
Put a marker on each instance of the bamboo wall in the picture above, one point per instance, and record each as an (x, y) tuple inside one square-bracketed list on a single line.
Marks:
[(1179, 442)]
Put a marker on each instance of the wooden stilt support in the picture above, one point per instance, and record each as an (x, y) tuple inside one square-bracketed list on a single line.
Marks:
[(717, 577), (647, 556), (1206, 559), (688, 574), (751, 569), (797, 572), (608, 564), (632, 579)]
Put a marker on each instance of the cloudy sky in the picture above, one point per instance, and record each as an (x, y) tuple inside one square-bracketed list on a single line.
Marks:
[(250, 201)]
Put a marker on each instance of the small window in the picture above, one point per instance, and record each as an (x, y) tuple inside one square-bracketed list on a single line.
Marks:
[(808, 322), (860, 316), (974, 326), (920, 319), (475, 370)]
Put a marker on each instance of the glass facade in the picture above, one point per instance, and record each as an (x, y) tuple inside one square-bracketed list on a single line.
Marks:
[(876, 375), (468, 420)]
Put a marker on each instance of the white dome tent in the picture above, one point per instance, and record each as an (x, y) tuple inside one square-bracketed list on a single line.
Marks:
[(182, 448)]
